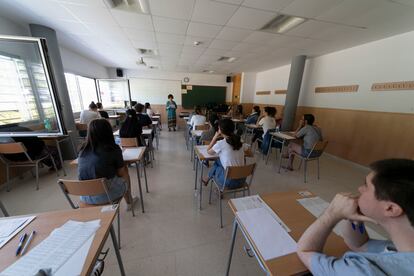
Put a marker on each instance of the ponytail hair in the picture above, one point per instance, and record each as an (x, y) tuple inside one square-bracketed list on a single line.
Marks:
[(227, 128)]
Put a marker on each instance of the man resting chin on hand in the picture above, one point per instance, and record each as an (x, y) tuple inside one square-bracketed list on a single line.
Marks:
[(386, 198)]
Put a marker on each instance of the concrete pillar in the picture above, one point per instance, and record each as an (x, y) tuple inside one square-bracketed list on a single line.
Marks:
[(59, 76), (292, 96)]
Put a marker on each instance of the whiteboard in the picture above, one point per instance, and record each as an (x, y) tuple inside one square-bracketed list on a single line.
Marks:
[(154, 91)]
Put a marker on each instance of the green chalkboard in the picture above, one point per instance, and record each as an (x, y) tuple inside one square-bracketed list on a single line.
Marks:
[(203, 95)]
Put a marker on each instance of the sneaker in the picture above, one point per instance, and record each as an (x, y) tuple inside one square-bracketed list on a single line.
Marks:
[(130, 206)]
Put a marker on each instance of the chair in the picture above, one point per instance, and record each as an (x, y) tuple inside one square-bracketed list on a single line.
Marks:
[(19, 148), (89, 188), (3, 209), (202, 127), (129, 142), (234, 173), (316, 152)]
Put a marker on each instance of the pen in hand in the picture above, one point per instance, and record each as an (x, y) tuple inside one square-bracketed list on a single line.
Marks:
[(19, 247), (28, 243)]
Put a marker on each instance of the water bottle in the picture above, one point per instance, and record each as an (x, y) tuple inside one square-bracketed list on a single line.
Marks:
[(48, 126), (277, 129)]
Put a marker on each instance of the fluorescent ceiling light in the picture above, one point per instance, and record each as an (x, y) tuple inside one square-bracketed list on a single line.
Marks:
[(196, 43), (282, 23), (208, 71), (228, 59), (140, 6)]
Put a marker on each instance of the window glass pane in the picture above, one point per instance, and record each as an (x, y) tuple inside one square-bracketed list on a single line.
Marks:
[(27, 101), (72, 85), (87, 91), (114, 93)]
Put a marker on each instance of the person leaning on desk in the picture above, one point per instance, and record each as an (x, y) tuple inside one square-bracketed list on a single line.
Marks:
[(387, 199)]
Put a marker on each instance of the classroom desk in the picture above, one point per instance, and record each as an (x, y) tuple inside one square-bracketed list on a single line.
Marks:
[(249, 129), (57, 140), (298, 219), (45, 223), (114, 117), (132, 156), (283, 138), (156, 132), (183, 114), (194, 135)]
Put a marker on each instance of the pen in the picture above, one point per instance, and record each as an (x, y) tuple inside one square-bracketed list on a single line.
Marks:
[(360, 226), (19, 247), (27, 243)]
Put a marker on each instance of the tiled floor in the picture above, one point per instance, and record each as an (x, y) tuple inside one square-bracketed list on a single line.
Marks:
[(173, 237)]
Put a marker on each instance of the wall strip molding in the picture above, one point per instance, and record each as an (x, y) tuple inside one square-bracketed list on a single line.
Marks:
[(280, 91), (262, 92), (393, 86), (337, 89)]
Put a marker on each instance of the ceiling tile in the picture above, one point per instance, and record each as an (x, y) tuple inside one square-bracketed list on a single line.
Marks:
[(222, 44), (236, 2), (139, 35), (71, 27), (193, 50), (244, 47), (212, 12), (96, 15), (310, 8), (217, 52), (170, 38), (202, 29), (310, 28), (269, 5), (133, 20), (144, 44), (87, 3), (180, 9), (205, 41), (233, 34), (260, 37), (170, 25), (404, 2), (251, 19)]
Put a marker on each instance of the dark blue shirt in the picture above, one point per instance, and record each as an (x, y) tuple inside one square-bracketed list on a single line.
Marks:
[(101, 163)]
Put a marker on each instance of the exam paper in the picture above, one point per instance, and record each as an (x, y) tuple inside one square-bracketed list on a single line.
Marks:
[(9, 227), (269, 237), (55, 250), (316, 206), (203, 151)]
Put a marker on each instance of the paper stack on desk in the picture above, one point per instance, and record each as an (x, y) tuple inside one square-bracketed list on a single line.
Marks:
[(56, 250), (9, 227)]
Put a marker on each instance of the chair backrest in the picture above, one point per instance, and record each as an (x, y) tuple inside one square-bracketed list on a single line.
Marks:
[(206, 142), (129, 142), (80, 126), (201, 127), (317, 149), (12, 148), (83, 188), (238, 172)]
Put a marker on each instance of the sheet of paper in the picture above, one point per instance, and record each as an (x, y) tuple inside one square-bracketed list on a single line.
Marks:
[(9, 227), (55, 250), (316, 206), (131, 153), (116, 133), (270, 238), (203, 151), (255, 201)]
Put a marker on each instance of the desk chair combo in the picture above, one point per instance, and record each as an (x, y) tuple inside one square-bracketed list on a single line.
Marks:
[(19, 148), (314, 155), (233, 172)]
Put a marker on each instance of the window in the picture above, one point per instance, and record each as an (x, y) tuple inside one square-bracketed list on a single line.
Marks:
[(114, 93), (82, 91), (27, 100)]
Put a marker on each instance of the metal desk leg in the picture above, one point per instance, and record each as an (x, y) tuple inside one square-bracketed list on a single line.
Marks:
[(233, 239), (140, 189), (281, 155), (3, 209), (145, 176), (60, 156), (118, 254), (201, 183), (196, 173)]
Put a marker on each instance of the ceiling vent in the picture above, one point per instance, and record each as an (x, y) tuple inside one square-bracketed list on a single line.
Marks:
[(141, 62), (228, 59), (140, 6), (282, 23), (147, 52), (208, 71)]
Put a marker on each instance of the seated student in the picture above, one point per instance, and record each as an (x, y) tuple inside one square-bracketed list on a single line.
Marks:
[(143, 119), (102, 112), (209, 134), (88, 115), (267, 121), (231, 153), (386, 198), (310, 135), (252, 118), (197, 119), (101, 157), (130, 128), (149, 110)]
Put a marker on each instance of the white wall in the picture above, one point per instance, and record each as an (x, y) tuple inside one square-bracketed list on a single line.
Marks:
[(272, 79), (386, 60), (8, 27), (80, 65)]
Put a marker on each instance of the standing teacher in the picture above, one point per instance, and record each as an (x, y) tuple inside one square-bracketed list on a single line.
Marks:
[(171, 108)]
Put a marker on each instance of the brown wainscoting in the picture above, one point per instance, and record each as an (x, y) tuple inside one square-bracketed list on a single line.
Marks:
[(364, 136), (160, 108), (247, 108)]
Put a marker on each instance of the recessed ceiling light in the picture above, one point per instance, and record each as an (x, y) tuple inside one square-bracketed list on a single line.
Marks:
[(208, 71), (196, 43), (140, 6), (282, 23)]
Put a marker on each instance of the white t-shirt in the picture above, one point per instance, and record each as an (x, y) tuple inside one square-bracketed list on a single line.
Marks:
[(267, 123), (228, 156), (150, 112), (87, 116), (197, 120)]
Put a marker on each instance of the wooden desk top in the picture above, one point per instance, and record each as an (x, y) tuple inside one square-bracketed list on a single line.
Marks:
[(45, 223), (197, 132), (298, 219), (156, 117), (154, 122), (114, 117), (129, 155), (146, 131), (202, 154), (284, 135), (238, 120), (253, 126)]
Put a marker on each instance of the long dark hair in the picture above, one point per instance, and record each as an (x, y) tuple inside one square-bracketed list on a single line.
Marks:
[(256, 108), (99, 135), (214, 121), (130, 124), (227, 128)]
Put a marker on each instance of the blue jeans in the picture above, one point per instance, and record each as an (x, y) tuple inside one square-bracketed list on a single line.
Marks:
[(117, 187), (305, 153), (218, 173)]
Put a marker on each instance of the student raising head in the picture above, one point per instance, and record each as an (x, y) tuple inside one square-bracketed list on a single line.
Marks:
[(230, 151), (197, 119), (252, 118), (88, 115), (102, 112), (101, 157), (267, 122), (143, 119), (131, 128)]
